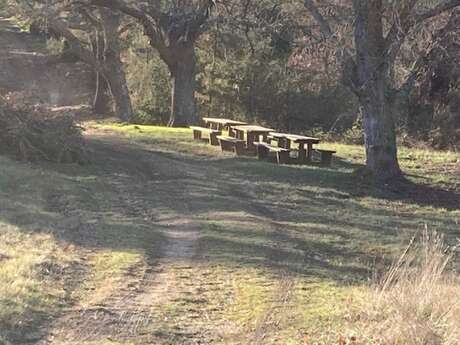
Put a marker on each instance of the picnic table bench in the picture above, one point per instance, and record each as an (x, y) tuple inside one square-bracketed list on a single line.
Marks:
[(326, 156), (243, 138), (220, 124), (231, 144), (203, 133), (263, 149), (285, 140), (251, 134)]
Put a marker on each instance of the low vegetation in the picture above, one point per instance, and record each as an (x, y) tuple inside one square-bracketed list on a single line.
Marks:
[(31, 132), (415, 300), (276, 254)]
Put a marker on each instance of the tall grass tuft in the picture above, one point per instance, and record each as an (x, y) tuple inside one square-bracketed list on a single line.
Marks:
[(417, 302)]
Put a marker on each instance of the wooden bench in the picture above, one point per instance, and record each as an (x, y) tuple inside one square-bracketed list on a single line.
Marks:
[(326, 156), (231, 144), (209, 134), (263, 149)]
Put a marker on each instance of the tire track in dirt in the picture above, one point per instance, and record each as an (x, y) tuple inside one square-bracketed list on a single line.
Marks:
[(134, 312)]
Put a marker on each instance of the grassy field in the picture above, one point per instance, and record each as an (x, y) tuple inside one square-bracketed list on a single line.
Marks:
[(168, 241)]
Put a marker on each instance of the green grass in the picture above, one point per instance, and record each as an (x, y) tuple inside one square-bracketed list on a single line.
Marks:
[(281, 249), (165, 139), (107, 271), (45, 264)]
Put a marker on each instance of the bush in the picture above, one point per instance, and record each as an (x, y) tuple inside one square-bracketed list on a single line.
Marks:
[(35, 133)]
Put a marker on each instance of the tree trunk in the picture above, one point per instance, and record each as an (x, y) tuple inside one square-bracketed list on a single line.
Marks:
[(119, 90), (183, 104), (380, 138), (101, 100), (113, 67), (372, 72)]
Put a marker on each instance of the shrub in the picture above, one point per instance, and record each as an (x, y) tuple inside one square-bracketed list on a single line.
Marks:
[(35, 133)]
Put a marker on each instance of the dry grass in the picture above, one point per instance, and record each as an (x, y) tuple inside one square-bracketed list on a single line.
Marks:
[(281, 251), (31, 132), (31, 280), (417, 300)]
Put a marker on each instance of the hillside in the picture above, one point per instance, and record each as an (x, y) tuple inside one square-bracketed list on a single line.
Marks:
[(25, 67)]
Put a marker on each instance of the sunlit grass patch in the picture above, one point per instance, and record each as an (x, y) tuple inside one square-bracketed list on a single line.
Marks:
[(321, 304), (32, 279), (158, 131), (254, 293), (109, 268), (172, 140)]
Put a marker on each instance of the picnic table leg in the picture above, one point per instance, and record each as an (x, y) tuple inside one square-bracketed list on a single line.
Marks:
[(239, 148), (287, 144), (265, 138), (302, 154), (196, 135), (250, 141), (231, 132), (262, 152), (213, 139), (282, 157), (309, 152)]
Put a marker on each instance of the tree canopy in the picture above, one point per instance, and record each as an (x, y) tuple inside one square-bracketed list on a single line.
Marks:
[(364, 71)]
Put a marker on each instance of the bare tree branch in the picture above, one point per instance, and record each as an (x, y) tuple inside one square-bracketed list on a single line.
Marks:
[(322, 22), (408, 20), (446, 5), (401, 22), (345, 56), (76, 45)]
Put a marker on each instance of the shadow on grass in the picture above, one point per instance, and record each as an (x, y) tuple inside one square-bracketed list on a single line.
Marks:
[(307, 221), (126, 189)]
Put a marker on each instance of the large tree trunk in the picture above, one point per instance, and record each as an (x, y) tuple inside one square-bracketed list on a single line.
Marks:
[(119, 90), (101, 100), (380, 138), (113, 67), (372, 73), (183, 104)]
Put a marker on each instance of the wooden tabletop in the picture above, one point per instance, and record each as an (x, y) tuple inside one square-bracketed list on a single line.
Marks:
[(295, 137), (252, 128), (223, 122)]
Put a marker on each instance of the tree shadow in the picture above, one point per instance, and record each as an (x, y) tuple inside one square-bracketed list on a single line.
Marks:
[(123, 200)]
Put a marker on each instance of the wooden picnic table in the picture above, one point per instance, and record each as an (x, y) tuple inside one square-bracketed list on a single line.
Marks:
[(219, 123), (285, 140), (251, 134)]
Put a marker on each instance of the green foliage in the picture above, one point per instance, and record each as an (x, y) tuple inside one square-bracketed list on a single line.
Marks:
[(55, 46), (148, 81), (354, 135)]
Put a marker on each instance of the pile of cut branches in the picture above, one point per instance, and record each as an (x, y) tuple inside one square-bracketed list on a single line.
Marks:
[(31, 132)]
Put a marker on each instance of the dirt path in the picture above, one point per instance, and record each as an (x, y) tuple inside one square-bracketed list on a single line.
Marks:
[(137, 309)]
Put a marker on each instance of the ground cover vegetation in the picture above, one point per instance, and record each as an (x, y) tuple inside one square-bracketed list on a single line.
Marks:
[(145, 236), (162, 239)]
